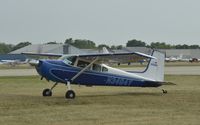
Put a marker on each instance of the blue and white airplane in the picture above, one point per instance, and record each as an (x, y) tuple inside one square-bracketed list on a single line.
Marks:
[(88, 69)]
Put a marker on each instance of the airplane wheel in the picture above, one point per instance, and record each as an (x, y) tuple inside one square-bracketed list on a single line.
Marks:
[(70, 94), (47, 92), (164, 91)]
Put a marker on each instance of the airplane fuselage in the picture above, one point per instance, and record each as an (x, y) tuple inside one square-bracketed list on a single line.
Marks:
[(58, 71)]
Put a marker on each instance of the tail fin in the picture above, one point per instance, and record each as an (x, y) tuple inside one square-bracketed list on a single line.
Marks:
[(155, 68)]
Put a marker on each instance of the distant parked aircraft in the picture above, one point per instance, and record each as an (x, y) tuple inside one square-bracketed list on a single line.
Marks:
[(175, 59), (13, 62)]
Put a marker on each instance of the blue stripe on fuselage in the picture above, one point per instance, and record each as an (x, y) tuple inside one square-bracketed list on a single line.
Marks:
[(58, 71)]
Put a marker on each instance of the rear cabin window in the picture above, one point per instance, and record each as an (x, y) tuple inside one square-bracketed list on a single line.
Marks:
[(104, 69), (96, 68), (99, 68)]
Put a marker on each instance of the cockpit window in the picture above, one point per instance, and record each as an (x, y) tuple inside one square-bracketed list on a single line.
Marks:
[(68, 59)]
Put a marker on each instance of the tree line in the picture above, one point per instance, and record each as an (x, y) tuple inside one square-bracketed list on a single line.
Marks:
[(159, 45), (6, 48), (88, 44)]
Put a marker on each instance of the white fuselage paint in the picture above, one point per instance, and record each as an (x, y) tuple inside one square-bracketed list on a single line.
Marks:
[(124, 73)]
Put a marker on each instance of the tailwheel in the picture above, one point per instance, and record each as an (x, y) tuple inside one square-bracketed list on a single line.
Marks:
[(70, 94), (164, 91), (47, 92)]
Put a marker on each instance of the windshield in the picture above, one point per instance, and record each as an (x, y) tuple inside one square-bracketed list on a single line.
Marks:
[(68, 59)]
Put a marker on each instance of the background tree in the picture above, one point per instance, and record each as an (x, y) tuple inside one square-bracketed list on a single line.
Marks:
[(135, 43), (5, 48), (84, 44), (113, 47), (52, 42), (119, 47), (100, 46), (20, 45), (69, 41), (160, 45), (181, 46), (116, 47), (194, 47)]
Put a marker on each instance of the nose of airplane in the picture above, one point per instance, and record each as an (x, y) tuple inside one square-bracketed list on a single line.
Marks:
[(38, 66), (34, 62)]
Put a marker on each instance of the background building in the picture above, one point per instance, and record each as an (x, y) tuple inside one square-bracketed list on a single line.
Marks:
[(184, 53), (49, 48), (69, 49)]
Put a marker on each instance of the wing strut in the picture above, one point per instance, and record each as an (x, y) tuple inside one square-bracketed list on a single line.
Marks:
[(70, 94), (79, 73)]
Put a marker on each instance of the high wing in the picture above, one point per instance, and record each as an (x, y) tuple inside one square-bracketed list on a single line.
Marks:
[(91, 55), (42, 54), (118, 57), (116, 54)]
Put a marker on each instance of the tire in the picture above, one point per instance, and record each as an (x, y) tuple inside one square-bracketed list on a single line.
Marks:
[(70, 94), (164, 91), (47, 92)]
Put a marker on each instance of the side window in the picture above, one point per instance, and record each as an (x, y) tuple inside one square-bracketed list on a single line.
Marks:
[(96, 68), (82, 64), (72, 59), (104, 69)]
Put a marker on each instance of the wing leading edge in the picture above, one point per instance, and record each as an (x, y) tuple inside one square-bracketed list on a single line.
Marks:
[(100, 55), (42, 54)]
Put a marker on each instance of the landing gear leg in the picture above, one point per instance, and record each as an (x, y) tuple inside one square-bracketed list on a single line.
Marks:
[(164, 91), (48, 92), (70, 94)]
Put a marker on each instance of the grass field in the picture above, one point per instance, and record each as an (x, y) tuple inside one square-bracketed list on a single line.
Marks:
[(21, 103)]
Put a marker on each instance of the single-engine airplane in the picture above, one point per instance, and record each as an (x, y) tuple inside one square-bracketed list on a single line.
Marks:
[(88, 69)]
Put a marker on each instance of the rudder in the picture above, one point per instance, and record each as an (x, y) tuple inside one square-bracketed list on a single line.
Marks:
[(155, 68)]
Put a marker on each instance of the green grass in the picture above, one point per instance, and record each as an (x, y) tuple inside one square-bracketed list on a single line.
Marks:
[(21, 103)]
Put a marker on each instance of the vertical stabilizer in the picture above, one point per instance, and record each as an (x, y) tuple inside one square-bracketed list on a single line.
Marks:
[(155, 68)]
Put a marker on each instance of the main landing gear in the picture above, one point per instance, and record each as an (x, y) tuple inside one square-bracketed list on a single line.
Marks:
[(70, 94), (164, 91)]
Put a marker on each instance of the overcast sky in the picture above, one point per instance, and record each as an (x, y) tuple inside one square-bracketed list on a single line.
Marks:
[(103, 21)]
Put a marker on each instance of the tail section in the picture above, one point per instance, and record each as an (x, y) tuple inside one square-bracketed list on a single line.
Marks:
[(155, 68)]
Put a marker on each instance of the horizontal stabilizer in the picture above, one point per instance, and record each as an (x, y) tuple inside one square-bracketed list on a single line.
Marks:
[(168, 83)]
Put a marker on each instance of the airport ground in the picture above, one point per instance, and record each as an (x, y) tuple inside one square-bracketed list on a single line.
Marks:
[(21, 103)]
